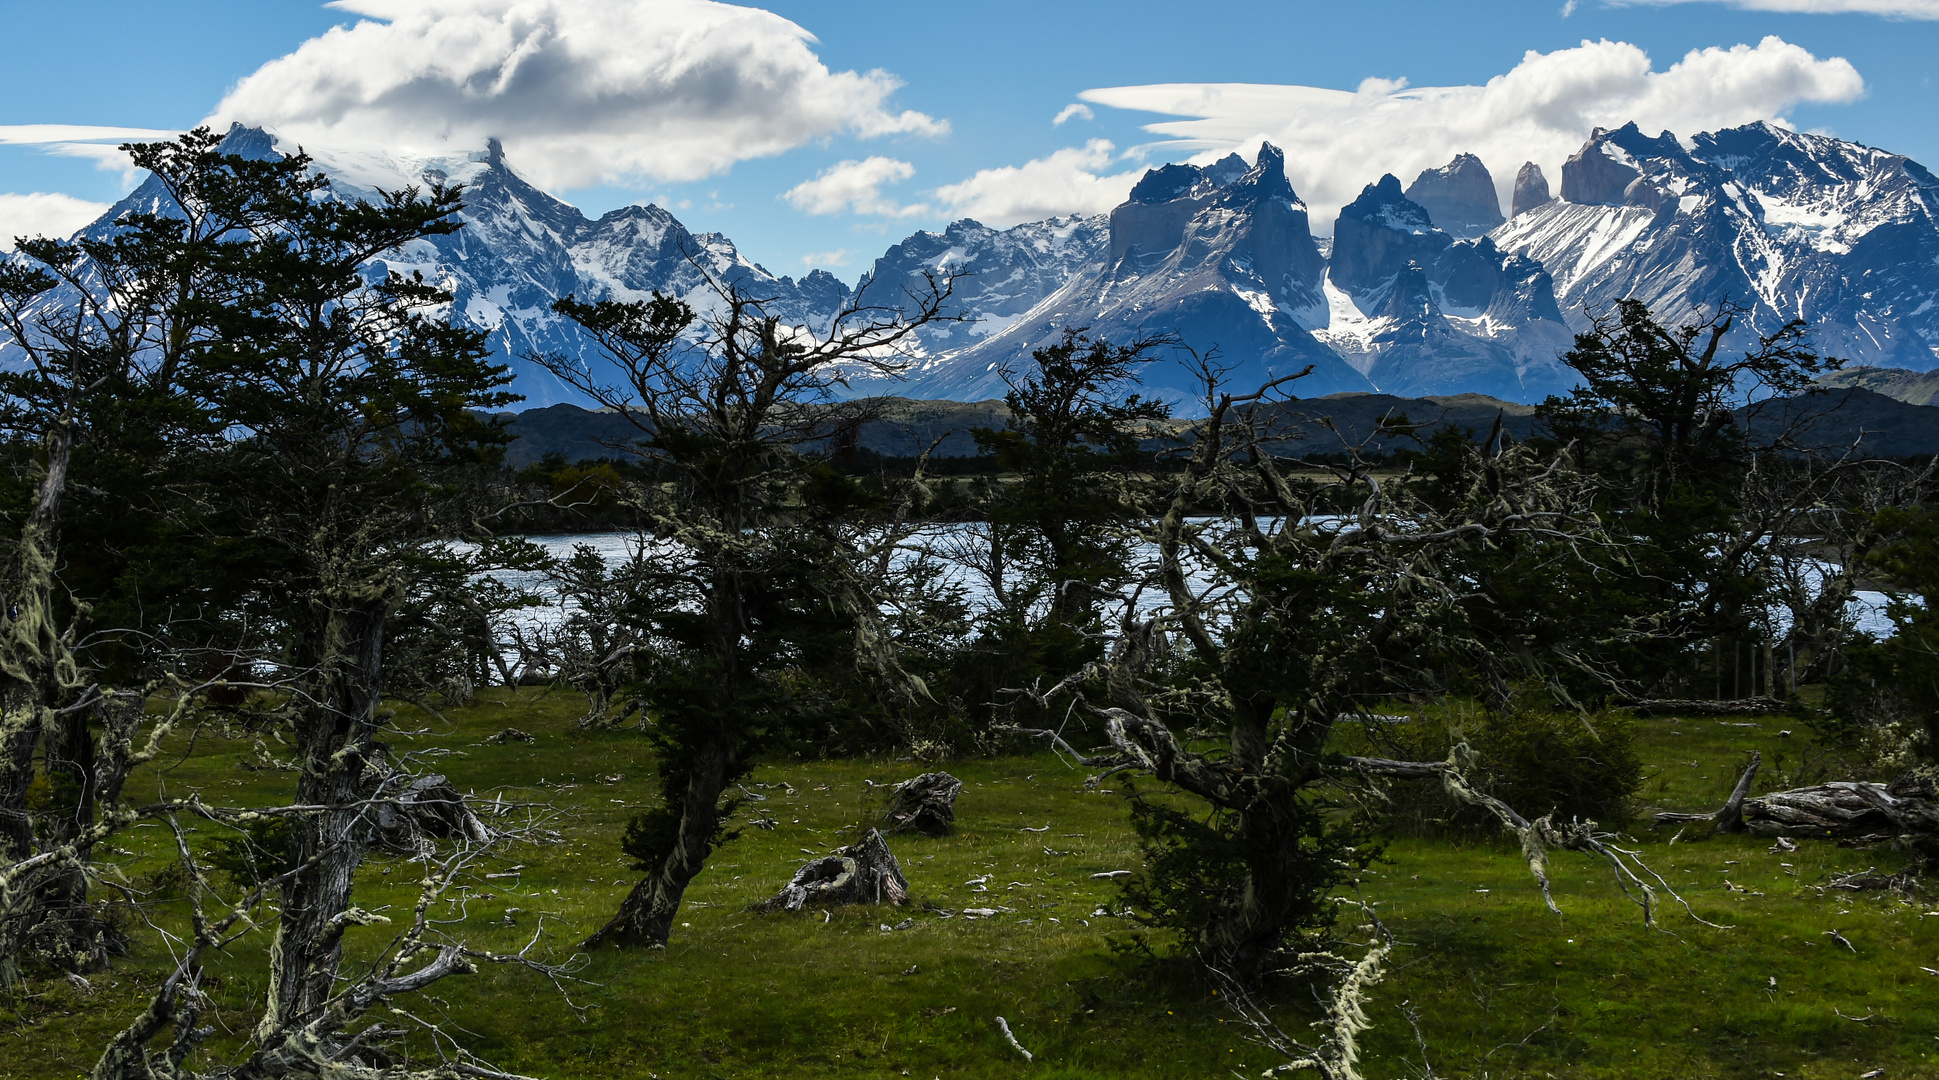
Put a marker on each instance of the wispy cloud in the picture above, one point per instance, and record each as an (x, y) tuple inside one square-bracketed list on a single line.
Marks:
[(1074, 180), (95, 143), (1073, 111), (837, 258)]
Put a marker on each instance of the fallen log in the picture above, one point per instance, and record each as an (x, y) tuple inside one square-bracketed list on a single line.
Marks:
[(1731, 817), (861, 873), (1751, 706), (1906, 809)]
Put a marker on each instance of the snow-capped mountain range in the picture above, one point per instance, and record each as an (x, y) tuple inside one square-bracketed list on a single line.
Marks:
[(1422, 290)]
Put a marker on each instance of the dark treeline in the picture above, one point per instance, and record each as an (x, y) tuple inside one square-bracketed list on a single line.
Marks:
[(257, 491)]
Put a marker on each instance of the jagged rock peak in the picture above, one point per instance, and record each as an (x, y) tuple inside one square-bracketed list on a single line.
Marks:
[(1377, 235), (250, 142), (1411, 298), (1166, 182), (1531, 189), (1177, 181), (1605, 170), (1460, 196), (1226, 169), (1383, 203), (1265, 180)]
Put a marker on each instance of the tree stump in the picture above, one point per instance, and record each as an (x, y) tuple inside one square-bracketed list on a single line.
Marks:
[(424, 806), (926, 804), (862, 873)]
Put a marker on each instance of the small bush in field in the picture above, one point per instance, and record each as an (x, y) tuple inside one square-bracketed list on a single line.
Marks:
[(1533, 758), (1544, 762)]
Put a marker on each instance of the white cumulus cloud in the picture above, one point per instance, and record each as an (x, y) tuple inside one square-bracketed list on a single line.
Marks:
[(580, 91), (44, 213), (1073, 180), (854, 186), (1891, 9), (1541, 110)]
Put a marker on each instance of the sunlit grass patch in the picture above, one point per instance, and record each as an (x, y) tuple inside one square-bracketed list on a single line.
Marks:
[(1501, 987)]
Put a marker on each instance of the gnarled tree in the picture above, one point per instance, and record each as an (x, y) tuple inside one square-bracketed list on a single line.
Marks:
[(753, 574), (105, 330), (1289, 617), (353, 430)]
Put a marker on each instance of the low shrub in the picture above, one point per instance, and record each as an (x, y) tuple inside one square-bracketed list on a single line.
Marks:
[(1530, 756)]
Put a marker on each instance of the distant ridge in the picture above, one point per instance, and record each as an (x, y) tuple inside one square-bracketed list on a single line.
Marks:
[(1911, 387)]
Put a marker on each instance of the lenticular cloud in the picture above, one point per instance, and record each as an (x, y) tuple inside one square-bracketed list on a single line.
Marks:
[(583, 91), (1541, 111)]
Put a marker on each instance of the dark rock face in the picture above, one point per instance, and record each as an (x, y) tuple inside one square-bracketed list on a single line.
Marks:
[(1610, 169), (1443, 315), (1165, 183), (1226, 169), (1378, 234), (1594, 177), (1460, 197), (1531, 189), (1222, 260)]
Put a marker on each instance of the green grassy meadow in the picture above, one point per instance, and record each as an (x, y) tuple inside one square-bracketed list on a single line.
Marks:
[(1501, 987)]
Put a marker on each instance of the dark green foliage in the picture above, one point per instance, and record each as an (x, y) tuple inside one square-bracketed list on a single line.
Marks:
[(1059, 535), (258, 851), (1656, 402), (443, 638), (1197, 865), (1684, 489), (1530, 755), (1072, 439), (1545, 762), (758, 581), (1889, 690)]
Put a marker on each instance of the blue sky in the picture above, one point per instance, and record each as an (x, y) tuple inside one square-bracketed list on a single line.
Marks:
[(928, 104)]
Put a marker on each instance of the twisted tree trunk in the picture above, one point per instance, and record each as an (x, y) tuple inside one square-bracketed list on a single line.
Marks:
[(42, 912), (336, 730), (1243, 938), (646, 916)]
